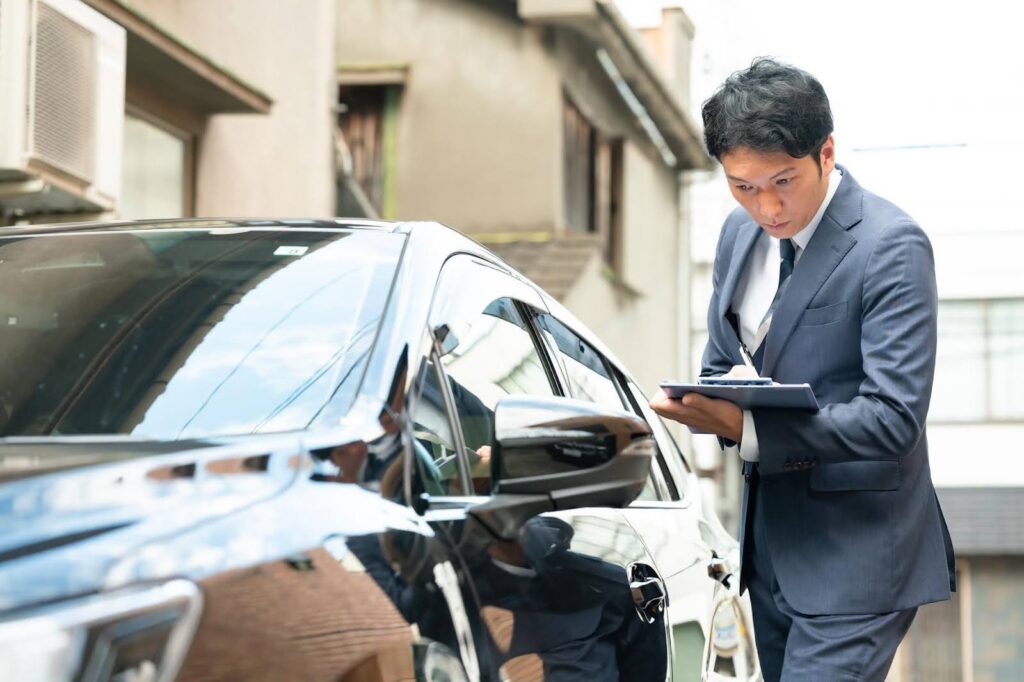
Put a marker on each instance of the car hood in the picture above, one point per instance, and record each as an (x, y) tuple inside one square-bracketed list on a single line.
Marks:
[(83, 515)]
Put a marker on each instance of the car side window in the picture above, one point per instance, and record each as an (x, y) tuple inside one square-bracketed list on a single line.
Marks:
[(435, 446), (484, 351), (497, 358), (591, 378), (673, 464), (586, 370)]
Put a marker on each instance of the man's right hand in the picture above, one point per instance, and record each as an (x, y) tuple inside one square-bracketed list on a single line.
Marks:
[(741, 372)]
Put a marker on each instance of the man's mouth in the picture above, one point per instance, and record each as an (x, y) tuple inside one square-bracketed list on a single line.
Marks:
[(776, 226)]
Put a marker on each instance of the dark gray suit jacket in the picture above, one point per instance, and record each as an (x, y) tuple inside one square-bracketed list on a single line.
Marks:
[(852, 520)]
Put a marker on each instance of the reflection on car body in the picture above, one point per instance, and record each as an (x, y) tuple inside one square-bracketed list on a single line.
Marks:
[(332, 450)]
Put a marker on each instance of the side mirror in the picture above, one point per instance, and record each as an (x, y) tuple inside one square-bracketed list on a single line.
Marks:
[(551, 454)]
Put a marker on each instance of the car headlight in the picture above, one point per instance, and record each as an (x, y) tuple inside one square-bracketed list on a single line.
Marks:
[(140, 634)]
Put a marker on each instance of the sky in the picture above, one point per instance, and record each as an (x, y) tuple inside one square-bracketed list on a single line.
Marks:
[(926, 96)]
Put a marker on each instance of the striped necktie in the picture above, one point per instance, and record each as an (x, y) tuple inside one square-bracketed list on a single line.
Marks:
[(787, 250)]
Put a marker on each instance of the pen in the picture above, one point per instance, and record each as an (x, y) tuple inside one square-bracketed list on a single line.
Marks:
[(747, 360)]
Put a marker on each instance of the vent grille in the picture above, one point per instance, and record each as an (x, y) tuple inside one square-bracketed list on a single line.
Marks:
[(64, 106)]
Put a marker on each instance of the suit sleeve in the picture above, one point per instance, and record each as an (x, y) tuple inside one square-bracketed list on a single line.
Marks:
[(898, 339)]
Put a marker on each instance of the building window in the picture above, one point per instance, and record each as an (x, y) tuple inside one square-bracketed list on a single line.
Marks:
[(157, 173), (367, 128), (980, 356), (592, 177)]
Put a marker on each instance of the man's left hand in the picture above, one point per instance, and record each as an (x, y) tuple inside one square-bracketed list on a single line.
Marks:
[(704, 414)]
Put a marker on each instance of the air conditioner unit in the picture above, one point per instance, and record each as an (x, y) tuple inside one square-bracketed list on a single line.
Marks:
[(62, 71)]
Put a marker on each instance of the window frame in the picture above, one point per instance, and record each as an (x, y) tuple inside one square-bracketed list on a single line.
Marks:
[(984, 307)]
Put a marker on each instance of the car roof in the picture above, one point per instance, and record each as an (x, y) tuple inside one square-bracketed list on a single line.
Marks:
[(338, 224), (437, 234)]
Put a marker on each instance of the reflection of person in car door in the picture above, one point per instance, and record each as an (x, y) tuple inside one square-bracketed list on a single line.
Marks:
[(574, 611)]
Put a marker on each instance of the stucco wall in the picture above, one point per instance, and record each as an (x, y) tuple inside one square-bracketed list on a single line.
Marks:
[(255, 165), (480, 115)]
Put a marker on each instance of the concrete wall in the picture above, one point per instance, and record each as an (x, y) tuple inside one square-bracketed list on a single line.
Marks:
[(253, 165), (480, 116)]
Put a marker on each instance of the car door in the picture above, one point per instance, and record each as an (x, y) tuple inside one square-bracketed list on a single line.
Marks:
[(712, 633), (708, 631), (553, 603), (587, 375)]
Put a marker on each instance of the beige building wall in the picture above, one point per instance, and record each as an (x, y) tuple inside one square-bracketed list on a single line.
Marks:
[(479, 116), (274, 165), (480, 148), (642, 328)]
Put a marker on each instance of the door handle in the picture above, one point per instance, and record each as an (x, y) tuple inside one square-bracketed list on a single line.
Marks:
[(719, 569), (648, 590)]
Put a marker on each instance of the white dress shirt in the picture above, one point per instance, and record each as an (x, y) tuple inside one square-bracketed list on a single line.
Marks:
[(756, 291)]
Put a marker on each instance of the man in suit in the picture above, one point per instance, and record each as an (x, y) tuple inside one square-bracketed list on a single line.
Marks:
[(825, 283)]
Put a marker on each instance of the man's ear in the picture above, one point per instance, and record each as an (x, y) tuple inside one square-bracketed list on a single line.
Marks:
[(828, 155)]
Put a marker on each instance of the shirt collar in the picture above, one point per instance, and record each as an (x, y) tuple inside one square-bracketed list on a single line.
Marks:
[(802, 238)]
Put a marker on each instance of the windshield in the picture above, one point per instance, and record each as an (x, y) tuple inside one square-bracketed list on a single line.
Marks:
[(175, 334)]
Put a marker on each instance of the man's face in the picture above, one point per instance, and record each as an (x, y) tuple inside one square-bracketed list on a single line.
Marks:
[(781, 193)]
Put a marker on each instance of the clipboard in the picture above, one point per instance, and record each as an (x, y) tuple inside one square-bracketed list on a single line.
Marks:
[(777, 396)]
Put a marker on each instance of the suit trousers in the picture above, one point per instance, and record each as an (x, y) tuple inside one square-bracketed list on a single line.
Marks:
[(797, 647)]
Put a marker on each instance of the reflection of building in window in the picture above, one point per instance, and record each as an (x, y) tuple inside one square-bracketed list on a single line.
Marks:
[(980, 361), (497, 357)]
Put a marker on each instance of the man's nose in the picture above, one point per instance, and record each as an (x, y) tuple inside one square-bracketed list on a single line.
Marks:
[(769, 205)]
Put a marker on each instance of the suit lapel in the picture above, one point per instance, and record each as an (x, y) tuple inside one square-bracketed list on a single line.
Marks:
[(827, 248), (749, 233)]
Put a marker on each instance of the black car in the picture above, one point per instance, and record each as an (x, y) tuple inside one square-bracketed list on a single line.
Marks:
[(345, 450)]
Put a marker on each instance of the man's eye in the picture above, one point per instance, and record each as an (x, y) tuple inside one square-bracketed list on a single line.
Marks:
[(744, 188), (783, 181)]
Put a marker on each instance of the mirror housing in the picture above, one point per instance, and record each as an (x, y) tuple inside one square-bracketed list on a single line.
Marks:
[(552, 453)]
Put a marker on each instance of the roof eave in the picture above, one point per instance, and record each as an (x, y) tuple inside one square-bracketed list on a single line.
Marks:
[(182, 72), (601, 23)]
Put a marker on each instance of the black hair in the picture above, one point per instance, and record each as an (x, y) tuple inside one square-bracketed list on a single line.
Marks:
[(769, 106)]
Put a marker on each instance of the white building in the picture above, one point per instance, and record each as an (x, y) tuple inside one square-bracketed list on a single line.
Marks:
[(927, 118)]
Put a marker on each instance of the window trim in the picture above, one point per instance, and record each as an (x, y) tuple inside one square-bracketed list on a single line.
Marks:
[(540, 342), (465, 480), (984, 307), (668, 480), (685, 487)]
